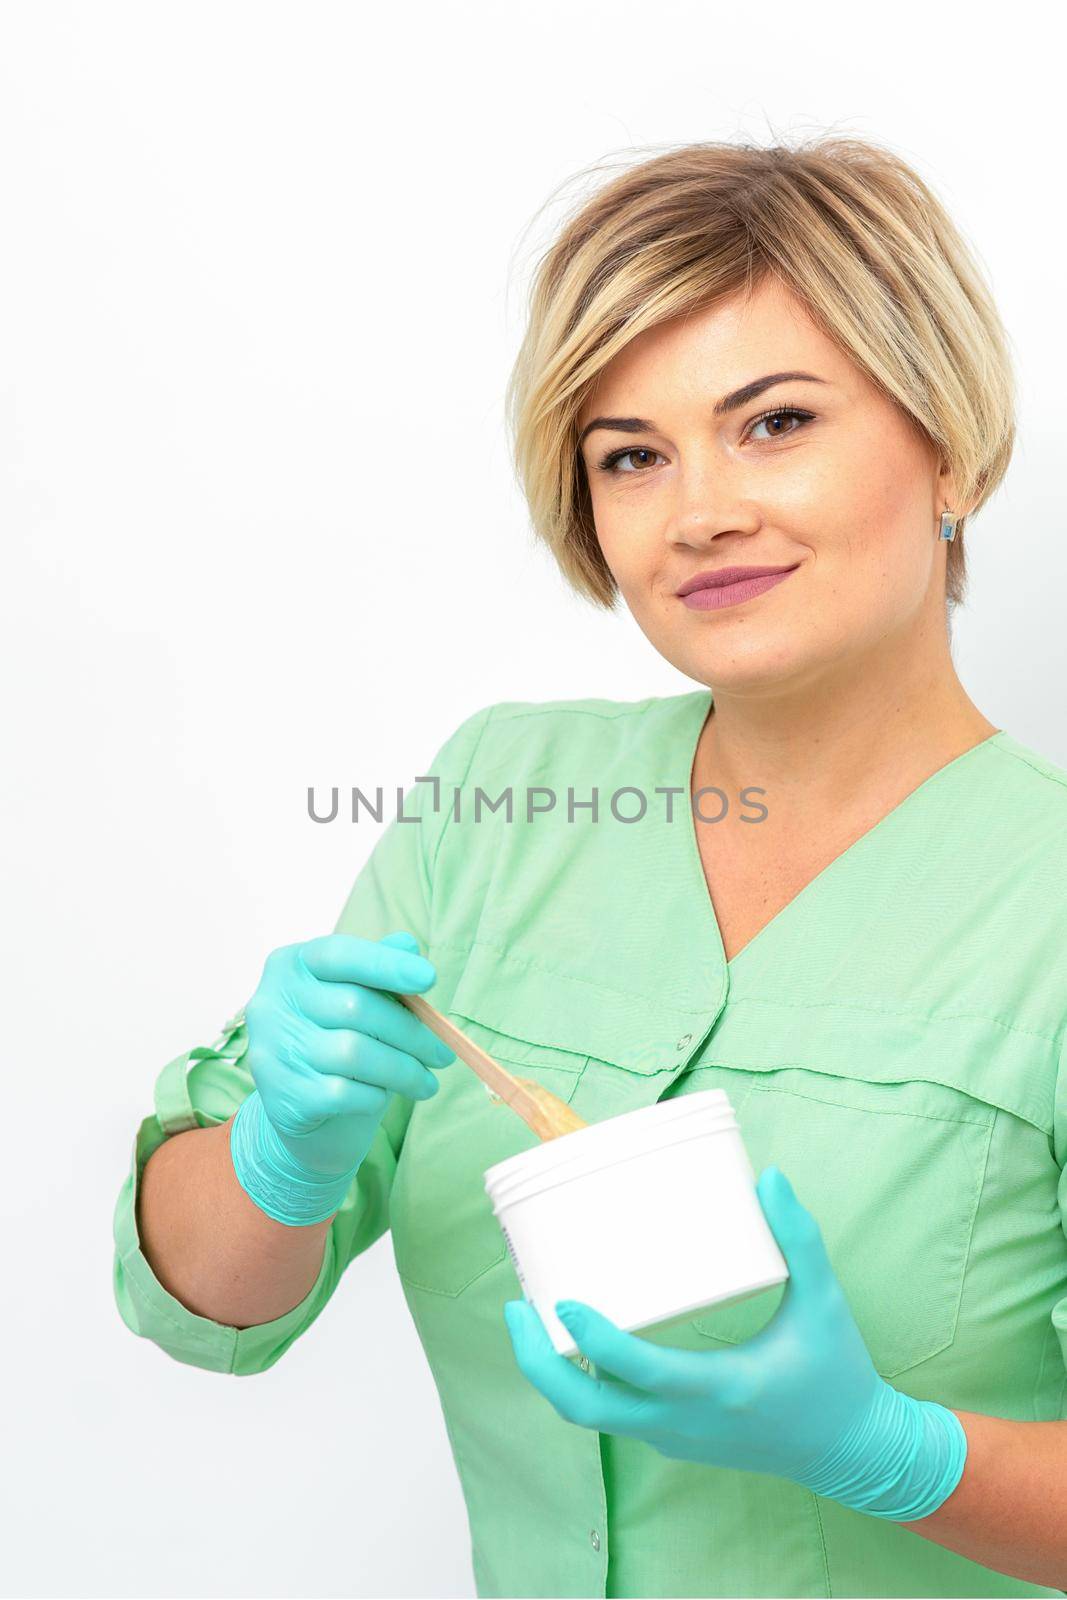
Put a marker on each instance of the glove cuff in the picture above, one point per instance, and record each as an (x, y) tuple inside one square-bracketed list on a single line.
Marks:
[(901, 1460), (273, 1178)]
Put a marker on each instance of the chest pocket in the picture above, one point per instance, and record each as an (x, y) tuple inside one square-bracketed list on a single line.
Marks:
[(893, 1174), (445, 1233)]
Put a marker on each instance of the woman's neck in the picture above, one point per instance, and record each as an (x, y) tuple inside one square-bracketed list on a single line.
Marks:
[(851, 748)]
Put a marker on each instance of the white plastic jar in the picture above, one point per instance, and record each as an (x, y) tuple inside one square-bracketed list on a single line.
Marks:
[(646, 1217)]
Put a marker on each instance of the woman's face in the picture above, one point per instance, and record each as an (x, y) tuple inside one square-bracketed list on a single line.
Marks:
[(845, 491)]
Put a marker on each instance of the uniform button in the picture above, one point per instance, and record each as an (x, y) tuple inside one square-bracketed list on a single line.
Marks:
[(684, 1042), (584, 1363), (594, 1538)]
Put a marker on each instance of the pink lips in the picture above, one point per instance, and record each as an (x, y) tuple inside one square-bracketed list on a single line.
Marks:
[(714, 597)]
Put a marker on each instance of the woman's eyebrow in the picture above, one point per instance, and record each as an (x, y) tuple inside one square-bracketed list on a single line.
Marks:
[(729, 402)]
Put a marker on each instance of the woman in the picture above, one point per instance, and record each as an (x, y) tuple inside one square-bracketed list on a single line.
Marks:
[(737, 360)]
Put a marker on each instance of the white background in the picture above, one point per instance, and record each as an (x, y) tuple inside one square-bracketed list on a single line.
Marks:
[(262, 272)]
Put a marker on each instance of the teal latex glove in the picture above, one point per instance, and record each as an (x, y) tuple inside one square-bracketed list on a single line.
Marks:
[(800, 1400), (328, 1046)]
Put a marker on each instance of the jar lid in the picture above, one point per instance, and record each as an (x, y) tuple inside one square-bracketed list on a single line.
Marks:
[(613, 1139)]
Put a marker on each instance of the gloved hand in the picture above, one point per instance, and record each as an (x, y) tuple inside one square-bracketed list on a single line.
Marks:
[(800, 1400), (327, 1048)]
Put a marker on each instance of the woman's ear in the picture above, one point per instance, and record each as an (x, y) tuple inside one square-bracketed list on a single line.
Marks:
[(948, 495)]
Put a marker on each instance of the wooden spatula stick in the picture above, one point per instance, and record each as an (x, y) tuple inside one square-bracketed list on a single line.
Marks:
[(539, 1108)]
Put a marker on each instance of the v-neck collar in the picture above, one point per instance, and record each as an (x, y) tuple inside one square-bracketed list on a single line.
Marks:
[(702, 903), (624, 935)]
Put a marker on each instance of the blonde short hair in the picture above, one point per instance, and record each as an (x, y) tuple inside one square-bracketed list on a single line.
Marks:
[(845, 224)]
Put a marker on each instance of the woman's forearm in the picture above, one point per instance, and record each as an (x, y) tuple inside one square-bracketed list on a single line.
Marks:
[(211, 1246), (1009, 1509)]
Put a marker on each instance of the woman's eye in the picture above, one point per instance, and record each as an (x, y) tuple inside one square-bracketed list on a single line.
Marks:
[(777, 416), (611, 462)]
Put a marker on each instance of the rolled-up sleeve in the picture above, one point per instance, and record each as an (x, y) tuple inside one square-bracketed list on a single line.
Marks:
[(204, 1087)]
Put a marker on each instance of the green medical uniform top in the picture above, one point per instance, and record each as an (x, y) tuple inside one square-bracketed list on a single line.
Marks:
[(893, 1039)]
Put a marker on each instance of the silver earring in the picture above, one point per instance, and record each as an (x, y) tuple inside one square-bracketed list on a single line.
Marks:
[(948, 525)]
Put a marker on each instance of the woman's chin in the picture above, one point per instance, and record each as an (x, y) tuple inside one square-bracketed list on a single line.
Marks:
[(744, 665)]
